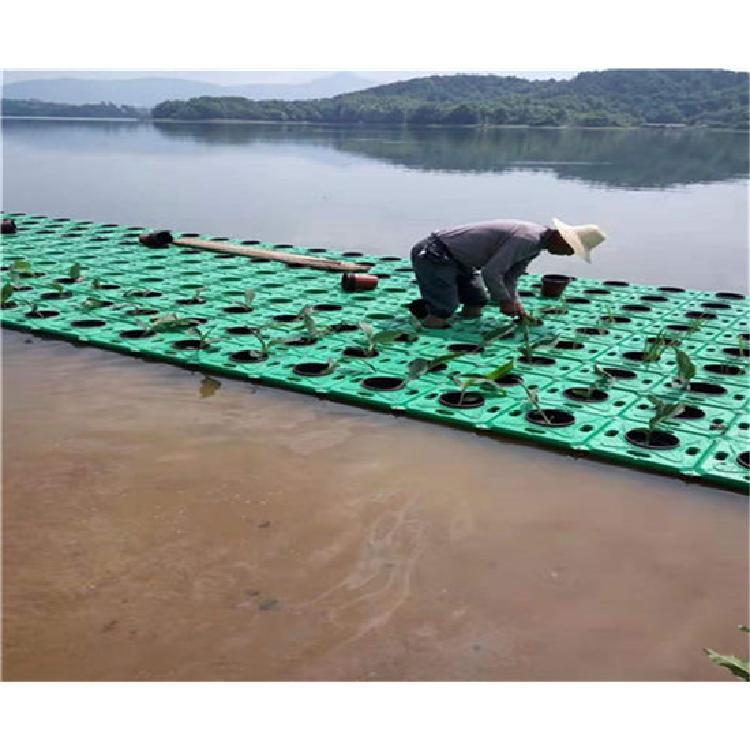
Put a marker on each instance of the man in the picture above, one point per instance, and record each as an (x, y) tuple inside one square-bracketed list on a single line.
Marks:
[(475, 263)]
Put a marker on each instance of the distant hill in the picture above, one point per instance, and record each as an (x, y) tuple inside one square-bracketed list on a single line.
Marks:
[(23, 108), (714, 98), (146, 92)]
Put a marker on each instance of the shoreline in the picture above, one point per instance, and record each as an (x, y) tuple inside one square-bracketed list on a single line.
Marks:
[(390, 126)]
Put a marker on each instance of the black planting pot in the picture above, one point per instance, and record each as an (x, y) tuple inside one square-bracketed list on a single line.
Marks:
[(136, 333), (553, 285), (743, 459), (657, 440), (248, 356), (706, 389), (380, 383), (585, 394), (359, 351), (635, 308), (57, 295), (466, 348), (735, 351), (537, 359), (614, 319), (454, 400), (143, 311), (568, 345), (690, 412), (721, 369), (620, 373), (242, 330), (729, 295), (635, 356), (190, 344), (42, 314), (311, 369), (343, 327), (554, 417), (237, 310), (614, 282), (88, 323), (586, 331)]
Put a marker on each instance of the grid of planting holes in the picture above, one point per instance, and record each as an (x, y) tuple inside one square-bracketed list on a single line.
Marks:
[(582, 377)]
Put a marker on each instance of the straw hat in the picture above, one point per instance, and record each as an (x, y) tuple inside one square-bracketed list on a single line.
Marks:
[(582, 239)]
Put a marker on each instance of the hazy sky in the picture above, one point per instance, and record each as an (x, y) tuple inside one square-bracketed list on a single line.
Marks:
[(241, 77)]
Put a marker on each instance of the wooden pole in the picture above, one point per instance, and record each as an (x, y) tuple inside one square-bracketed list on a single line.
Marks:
[(302, 260)]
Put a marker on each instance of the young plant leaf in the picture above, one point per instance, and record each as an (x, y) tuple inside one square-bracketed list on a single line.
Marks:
[(75, 271), (6, 293)]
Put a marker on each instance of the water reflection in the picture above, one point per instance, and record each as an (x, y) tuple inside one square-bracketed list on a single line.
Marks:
[(614, 158), (631, 159)]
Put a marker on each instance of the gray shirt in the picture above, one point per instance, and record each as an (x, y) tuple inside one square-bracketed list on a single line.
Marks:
[(501, 249)]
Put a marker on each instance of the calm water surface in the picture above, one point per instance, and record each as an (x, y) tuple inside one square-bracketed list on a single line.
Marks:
[(673, 203), (159, 525)]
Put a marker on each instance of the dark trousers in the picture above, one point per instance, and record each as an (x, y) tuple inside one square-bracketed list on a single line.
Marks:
[(444, 283)]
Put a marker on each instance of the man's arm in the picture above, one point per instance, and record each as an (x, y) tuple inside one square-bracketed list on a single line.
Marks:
[(501, 273), (513, 274)]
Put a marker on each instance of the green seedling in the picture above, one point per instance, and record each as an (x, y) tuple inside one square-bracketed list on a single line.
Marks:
[(59, 288), (203, 336), (685, 368), (489, 379), (742, 344), (602, 380), (653, 350), (6, 293), (96, 283), (740, 668), (170, 323), (248, 297), (375, 341), (93, 303), (74, 272), (421, 366), (197, 294), (19, 267), (528, 347), (532, 394), (264, 341), (561, 308), (498, 333), (663, 410), (609, 314), (311, 327)]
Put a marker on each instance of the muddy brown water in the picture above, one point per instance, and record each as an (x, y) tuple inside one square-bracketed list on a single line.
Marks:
[(158, 527)]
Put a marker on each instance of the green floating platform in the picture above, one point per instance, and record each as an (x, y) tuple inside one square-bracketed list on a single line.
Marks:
[(131, 285)]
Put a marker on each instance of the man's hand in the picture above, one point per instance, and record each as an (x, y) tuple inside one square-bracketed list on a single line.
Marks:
[(512, 308)]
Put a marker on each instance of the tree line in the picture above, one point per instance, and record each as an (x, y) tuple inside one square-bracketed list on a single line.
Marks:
[(614, 98)]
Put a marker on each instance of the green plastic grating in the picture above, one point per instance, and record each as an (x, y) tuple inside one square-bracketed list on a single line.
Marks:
[(600, 323)]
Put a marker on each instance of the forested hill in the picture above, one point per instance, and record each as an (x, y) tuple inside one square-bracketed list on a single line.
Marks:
[(34, 108), (714, 98)]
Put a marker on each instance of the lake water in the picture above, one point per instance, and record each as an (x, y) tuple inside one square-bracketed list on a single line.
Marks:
[(674, 203), (161, 526)]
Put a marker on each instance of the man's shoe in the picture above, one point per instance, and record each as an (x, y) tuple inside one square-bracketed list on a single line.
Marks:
[(432, 321), (469, 311), (418, 308)]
